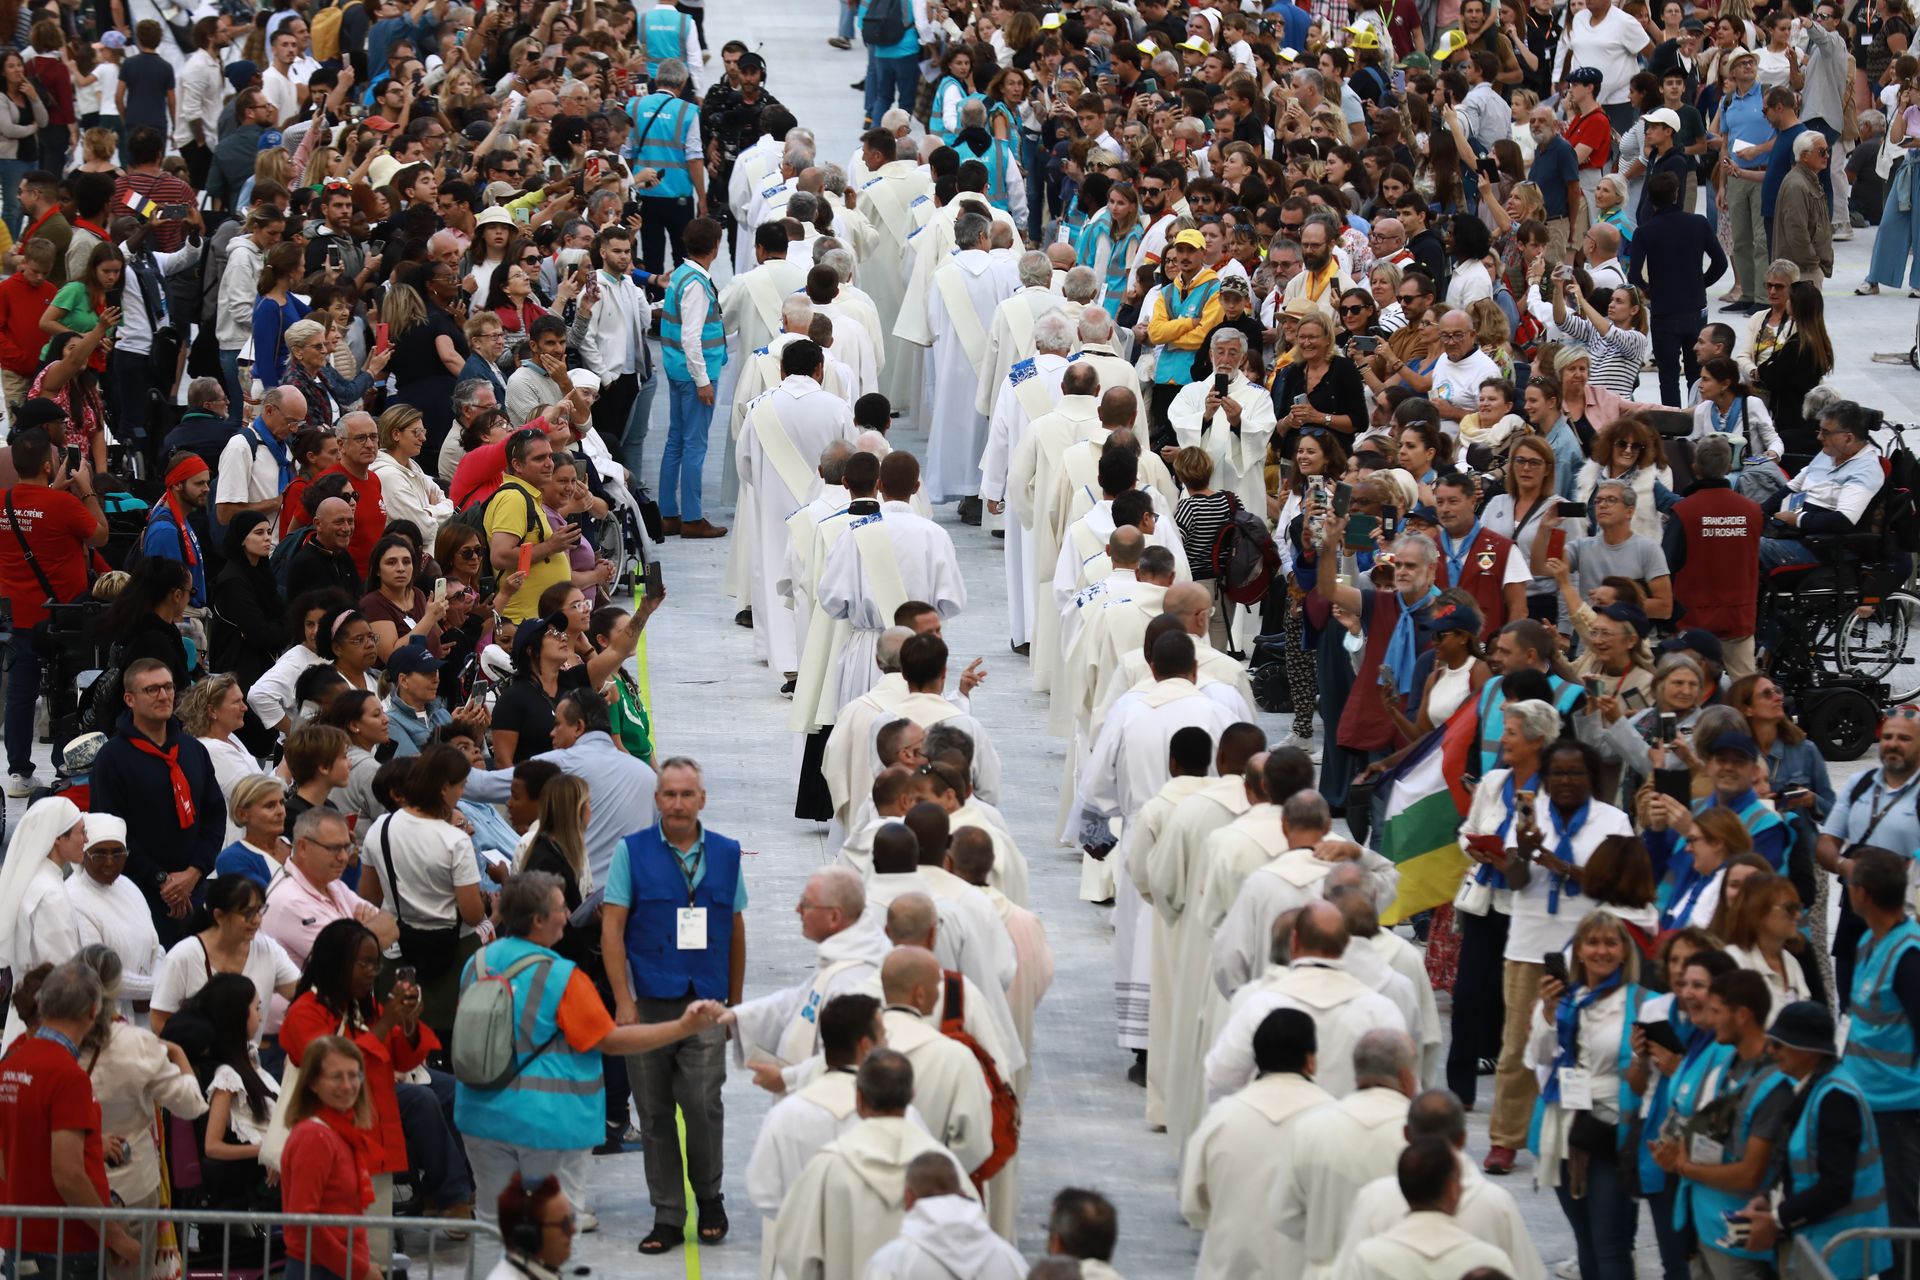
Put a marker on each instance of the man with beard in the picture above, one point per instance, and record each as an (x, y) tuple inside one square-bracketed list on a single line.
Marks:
[(1556, 171), (729, 123), (1320, 281), (1163, 197)]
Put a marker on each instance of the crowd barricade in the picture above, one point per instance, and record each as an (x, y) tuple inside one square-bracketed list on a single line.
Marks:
[(1852, 1251), (224, 1243)]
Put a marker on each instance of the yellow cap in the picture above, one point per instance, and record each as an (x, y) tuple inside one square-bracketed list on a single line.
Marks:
[(1191, 238), (1053, 22), (1451, 42), (1290, 54), (1194, 44), (1364, 36)]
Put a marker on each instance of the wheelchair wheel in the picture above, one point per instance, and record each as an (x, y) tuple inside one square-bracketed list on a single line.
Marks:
[(1885, 646), (1270, 691), (1842, 722)]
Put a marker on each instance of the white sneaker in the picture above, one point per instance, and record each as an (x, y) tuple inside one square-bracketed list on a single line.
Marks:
[(1567, 1270), (20, 785), (585, 1220), (1843, 233), (1309, 745)]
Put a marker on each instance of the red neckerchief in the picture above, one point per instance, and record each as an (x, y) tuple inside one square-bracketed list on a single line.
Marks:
[(182, 792), (84, 225), (39, 222), (360, 1140)]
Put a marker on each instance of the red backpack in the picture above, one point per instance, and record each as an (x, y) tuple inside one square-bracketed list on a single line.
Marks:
[(1006, 1106)]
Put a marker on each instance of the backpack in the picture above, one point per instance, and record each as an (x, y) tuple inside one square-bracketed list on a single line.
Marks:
[(1900, 494), (281, 561), (485, 1025), (1244, 558), (325, 29), (1006, 1106), (884, 25), (474, 514)]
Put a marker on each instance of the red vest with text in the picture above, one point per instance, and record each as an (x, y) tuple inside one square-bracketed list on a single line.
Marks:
[(1364, 725), (1721, 579), (1480, 576)]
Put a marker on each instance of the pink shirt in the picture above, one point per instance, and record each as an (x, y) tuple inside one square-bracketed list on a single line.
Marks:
[(297, 911)]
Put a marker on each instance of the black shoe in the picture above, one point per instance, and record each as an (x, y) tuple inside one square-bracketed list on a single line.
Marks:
[(1024, 650), (744, 618), (1486, 1066), (860, 85), (786, 690), (1137, 1073), (970, 510), (1000, 532)]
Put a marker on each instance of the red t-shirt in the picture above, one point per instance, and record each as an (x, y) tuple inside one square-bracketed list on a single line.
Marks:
[(56, 525), (369, 516), (1596, 132), (21, 306), (43, 1091)]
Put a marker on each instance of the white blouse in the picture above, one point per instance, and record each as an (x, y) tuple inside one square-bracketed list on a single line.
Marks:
[(1785, 990), (240, 1121), (1602, 1027), (231, 763)]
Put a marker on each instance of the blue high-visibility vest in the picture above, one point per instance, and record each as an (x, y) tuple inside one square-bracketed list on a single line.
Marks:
[(1708, 1204), (1493, 714), (937, 126), (558, 1101), (995, 159), (1880, 1042), (660, 124), (713, 338), (1174, 364), (1868, 1208), (661, 969), (666, 32)]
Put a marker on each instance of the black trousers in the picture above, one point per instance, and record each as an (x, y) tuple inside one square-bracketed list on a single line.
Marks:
[(1673, 337), (661, 223), (1159, 400), (611, 410), (1479, 1008)]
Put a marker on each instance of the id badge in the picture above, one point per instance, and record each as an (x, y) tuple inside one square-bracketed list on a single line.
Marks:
[(1704, 1150), (1576, 1088), (691, 927)]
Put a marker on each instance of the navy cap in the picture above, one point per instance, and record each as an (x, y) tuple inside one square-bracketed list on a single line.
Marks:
[(1629, 614), (1736, 744), (1696, 640), (1425, 514), (412, 659), (240, 74), (1588, 76), (1804, 1024), (1451, 615)]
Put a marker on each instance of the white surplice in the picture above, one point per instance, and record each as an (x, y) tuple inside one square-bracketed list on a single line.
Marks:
[(1033, 973), (956, 430), (849, 763), (948, 1085), (1342, 1007), (942, 1237), (1231, 1163), (929, 571), (1115, 370), (750, 316), (849, 1200), (1214, 666), (1336, 1150), (1423, 1246), (783, 1026), (1010, 337), (1035, 378), (1176, 874), (898, 200), (1239, 457), (1141, 836), (853, 347), (1244, 939), (1030, 497), (810, 419), (1487, 1212)]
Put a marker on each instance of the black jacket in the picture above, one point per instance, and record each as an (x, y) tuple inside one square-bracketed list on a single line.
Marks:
[(315, 569), (1667, 249), (200, 433), (249, 631), (131, 784), (155, 637)]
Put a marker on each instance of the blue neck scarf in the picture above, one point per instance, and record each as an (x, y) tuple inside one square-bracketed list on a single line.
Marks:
[(1402, 647), (1565, 830), (1687, 888), (1566, 1028), (1457, 560), (1731, 422), (1489, 874), (278, 448), (48, 1033)]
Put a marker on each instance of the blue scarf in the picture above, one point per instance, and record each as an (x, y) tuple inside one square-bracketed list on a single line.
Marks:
[(1566, 1029), (48, 1033), (1687, 888), (1456, 563), (1563, 850), (1731, 423), (1488, 874), (278, 449), (1402, 648)]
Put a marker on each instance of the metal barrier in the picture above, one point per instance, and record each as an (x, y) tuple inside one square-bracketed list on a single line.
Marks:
[(262, 1250), (1810, 1263)]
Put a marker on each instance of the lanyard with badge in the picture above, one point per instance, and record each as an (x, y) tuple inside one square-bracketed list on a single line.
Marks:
[(690, 922)]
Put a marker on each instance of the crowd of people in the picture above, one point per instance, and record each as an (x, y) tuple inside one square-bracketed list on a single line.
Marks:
[(1418, 677)]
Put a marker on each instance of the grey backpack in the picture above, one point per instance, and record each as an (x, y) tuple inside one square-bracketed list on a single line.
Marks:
[(485, 1026)]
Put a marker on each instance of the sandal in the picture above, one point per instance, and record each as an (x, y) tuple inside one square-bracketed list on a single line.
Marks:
[(662, 1238), (1867, 291), (713, 1221)]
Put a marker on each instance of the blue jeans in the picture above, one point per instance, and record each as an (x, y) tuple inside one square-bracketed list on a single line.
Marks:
[(1895, 242), (23, 693), (433, 1144), (872, 82), (11, 171), (1676, 1246), (1775, 552), (230, 374), (846, 21), (686, 452), (1603, 1222), (899, 80), (633, 439)]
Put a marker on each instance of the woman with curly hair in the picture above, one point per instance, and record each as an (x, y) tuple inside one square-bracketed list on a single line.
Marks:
[(1630, 450)]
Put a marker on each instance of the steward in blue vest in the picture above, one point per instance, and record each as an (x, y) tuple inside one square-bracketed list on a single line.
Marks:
[(667, 33), (1723, 1160), (1730, 769), (1833, 1178), (556, 1099), (1885, 999)]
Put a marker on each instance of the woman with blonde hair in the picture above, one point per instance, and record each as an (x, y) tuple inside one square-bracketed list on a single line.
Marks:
[(559, 847), (328, 1162), (99, 149), (1383, 282), (410, 493), (1492, 334), (1514, 514)]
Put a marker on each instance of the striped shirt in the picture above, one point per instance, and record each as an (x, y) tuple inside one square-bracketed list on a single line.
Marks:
[(1200, 520), (1618, 356)]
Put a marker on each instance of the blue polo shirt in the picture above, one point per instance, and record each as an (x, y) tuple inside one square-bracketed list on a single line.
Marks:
[(1745, 119), (1898, 828), (1779, 164), (1554, 166), (693, 863)]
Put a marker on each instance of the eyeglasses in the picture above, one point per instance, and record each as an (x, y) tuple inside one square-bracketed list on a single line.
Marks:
[(107, 855), (334, 849), (1626, 446), (156, 690), (361, 437)]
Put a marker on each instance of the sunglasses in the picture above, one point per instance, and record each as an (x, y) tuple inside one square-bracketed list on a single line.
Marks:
[(1353, 310)]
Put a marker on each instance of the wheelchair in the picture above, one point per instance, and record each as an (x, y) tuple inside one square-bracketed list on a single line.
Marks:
[(1844, 633)]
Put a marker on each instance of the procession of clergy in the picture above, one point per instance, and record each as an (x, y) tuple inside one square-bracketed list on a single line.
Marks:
[(1292, 1091)]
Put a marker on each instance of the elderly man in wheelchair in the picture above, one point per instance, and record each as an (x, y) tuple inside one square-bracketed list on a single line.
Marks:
[(1825, 509)]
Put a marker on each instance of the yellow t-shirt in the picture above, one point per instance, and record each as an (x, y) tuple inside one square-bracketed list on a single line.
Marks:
[(507, 512)]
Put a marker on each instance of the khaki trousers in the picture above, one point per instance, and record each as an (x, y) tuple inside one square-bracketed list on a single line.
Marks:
[(1514, 1088), (1737, 656)]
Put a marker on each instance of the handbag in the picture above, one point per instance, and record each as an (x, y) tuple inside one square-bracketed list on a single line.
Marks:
[(1593, 1135), (1473, 898), (41, 632), (432, 952)]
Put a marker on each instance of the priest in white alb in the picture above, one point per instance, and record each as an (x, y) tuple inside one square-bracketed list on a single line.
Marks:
[(1170, 875), (1010, 336), (852, 345), (849, 1200), (971, 857), (1030, 494), (1241, 1149), (750, 311), (1430, 1243), (1234, 428), (949, 1087), (769, 202), (966, 289), (1127, 768), (806, 532), (785, 429), (898, 200), (1114, 627), (1076, 487), (1192, 605), (1097, 350), (856, 302), (945, 1234), (1028, 392), (882, 562), (759, 373)]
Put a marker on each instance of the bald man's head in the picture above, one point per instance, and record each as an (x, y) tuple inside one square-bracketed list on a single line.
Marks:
[(1060, 256), (1183, 599), (1126, 545), (896, 850), (1437, 1113), (1080, 379), (911, 921), (911, 976), (1319, 931), (1118, 407)]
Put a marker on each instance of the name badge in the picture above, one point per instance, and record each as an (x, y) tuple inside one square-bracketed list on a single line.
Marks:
[(1576, 1088), (691, 928), (1704, 1150)]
